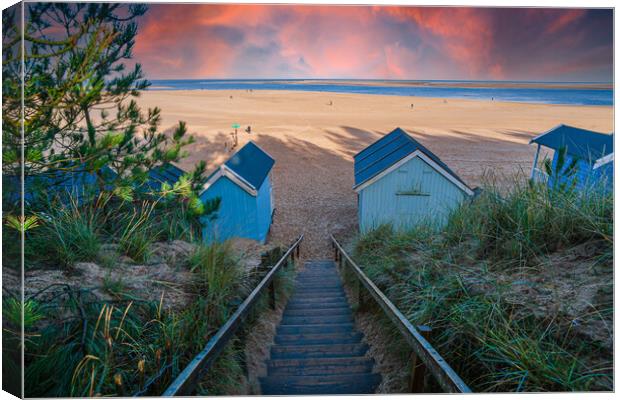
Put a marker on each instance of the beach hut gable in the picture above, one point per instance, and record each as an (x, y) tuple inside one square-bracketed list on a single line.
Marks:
[(390, 153), (223, 171), (400, 182), (248, 168)]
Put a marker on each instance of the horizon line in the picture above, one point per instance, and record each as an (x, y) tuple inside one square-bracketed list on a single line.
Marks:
[(377, 79)]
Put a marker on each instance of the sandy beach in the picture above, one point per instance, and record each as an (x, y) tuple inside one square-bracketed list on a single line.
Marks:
[(313, 142)]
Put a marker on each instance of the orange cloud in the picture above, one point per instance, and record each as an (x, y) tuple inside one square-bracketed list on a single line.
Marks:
[(206, 40)]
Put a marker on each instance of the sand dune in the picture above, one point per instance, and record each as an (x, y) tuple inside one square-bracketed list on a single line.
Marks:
[(314, 142)]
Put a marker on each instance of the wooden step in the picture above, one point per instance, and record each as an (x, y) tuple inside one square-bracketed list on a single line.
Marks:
[(316, 278), (320, 366), (315, 305), (309, 362), (318, 292), (319, 289), (312, 305), (326, 299), (304, 329), (320, 338), (318, 296), (320, 384), (319, 350), (316, 319), (302, 312)]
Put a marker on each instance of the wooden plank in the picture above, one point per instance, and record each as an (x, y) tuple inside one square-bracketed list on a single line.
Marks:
[(187, 380), (447, 378)]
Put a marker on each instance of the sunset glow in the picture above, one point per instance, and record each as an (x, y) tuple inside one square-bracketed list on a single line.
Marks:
[(301, 41)]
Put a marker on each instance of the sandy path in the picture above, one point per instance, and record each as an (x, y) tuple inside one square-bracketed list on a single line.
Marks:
[(313, 142)]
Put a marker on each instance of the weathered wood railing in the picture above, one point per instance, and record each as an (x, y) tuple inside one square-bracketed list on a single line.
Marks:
[(187, 380), (430, 359)]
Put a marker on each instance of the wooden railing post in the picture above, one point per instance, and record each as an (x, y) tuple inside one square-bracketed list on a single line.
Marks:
[(355, 292), (363, 300), (418, 369), (272, 294)]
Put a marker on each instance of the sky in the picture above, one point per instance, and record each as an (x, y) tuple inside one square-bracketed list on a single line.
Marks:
[(207, 41)]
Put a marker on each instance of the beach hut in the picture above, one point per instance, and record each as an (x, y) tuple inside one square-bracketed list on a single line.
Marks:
[(79, 183), (243, 185), (590, 152), (46, 186), (401, 182)]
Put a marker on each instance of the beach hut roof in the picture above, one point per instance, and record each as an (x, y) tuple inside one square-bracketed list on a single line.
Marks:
[(166, 173), (248, 167), (391, 149), (578, 142), (252, 164)]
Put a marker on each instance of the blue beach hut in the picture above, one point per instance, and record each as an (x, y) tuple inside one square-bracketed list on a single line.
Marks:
[(62, 184), (243, 184), (400, 182), (591, 151)]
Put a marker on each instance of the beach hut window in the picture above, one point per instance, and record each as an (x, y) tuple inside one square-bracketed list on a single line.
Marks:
[(413, 190)]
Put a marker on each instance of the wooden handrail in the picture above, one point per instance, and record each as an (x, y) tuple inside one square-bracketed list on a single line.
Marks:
[(447, 378), (187, 380)]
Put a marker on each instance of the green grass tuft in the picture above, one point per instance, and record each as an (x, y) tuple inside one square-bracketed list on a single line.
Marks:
[(69, 233)]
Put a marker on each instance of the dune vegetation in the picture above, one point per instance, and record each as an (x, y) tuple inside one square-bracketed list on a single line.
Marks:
[(517, 287), (93, 327)]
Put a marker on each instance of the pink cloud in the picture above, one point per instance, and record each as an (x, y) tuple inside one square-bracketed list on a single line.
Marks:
[(565, 19), (198, 40)]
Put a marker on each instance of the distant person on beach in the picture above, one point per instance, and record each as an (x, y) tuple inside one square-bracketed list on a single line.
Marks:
[(248, 129), (411, 105)]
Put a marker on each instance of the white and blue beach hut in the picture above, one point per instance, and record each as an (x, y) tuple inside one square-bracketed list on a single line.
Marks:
[(591, 151), (400, 182), (243, 184)]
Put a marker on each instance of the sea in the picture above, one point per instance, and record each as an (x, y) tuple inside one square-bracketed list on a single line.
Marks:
[(568, 93)]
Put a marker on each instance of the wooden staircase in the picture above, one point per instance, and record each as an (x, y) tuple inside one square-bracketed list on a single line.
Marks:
[(317, 349)]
